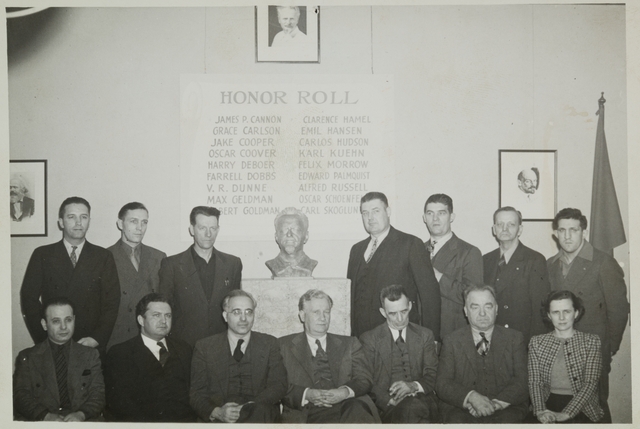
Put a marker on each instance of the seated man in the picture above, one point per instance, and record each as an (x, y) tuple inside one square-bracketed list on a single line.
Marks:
[(147, 376), (328, 374), (238, 376), (58, 379), (404, 360), (482, 376)]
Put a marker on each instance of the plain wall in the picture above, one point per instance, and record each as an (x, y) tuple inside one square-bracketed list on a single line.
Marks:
[(97, 95)]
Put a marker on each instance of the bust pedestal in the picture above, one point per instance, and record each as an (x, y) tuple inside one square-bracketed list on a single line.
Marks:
[(277, 310)]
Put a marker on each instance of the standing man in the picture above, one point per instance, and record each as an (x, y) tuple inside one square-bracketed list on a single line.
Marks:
[(404, 360), (138, 266), (598, 280), (456, 263), (58, 380), (482, 376), (75, 269), (518, 274), (147, 376), (328, 374), (198, 279), (386, 257), (21, 206), (238, 376)]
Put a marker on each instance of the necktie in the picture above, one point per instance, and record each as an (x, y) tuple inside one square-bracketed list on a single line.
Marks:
[(61, 378), (483, 345), (134, 260), (431, 246), (373, 249), (164, 353), (73, 256), (320, 352), (502, 262), (237, 353), (400, 340)]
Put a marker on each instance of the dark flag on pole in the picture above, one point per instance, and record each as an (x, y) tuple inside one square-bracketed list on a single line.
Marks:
[(607, 230)]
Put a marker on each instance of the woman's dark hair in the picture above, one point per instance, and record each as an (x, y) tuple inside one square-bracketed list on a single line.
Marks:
[(557, 296)]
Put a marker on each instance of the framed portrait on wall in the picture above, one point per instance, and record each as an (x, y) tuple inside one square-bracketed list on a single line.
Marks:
[(288, 34), (528, 182), (28, 198)]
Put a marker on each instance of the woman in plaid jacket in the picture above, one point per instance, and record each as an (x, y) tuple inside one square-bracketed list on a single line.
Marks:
[(564, 365)]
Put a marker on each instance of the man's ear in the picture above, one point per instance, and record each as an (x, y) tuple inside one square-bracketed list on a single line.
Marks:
[(224, 316), (44, 324), (120, 224), (191, 231), (453, 217), (140, 320), (382, 312)]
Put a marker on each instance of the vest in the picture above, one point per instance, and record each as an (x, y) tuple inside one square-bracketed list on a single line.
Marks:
[(486, 377), (322, 378), (400, 364), (240, 380)]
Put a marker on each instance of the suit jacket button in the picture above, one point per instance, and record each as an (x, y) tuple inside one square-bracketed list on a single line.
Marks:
[(506, 306), (506, 326)]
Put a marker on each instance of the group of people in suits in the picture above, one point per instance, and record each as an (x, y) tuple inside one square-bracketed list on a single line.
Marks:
[(107, 288)]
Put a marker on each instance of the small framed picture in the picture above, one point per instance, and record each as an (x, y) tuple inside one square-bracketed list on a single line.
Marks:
[(528, 182), (289, 34), (28, 198)]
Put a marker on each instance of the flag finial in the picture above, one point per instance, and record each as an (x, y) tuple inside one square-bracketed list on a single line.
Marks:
[(601, 102)]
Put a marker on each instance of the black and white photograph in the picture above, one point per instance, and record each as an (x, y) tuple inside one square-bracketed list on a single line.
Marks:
[(528, 181), (287, 33), (251, 212), (28, 198)]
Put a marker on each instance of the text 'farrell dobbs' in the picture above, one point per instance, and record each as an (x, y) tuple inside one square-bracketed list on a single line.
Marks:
[(280, 97)]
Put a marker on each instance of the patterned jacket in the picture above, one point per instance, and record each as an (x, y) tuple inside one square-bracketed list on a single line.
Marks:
[(584, 363)]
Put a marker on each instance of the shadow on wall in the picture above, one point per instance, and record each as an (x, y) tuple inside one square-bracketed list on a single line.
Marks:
[(26, 35)]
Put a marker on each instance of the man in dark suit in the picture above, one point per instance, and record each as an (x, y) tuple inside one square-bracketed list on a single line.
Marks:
[(404, 362), (21, 206), (147, 376), (238, 376), (518, 274), (138, 266), (75, 269), (482, 376), (58, 379), (388, 257), (598, 280), (198, 279), (456, 263), (328, 374)]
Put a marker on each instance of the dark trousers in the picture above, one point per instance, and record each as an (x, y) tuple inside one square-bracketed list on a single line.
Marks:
[(256, 412), (351, 410), (510, 414), (557, 403), (412, 409)]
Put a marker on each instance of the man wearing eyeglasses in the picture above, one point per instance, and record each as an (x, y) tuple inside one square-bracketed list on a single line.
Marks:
[(238, 376), (198, 279)]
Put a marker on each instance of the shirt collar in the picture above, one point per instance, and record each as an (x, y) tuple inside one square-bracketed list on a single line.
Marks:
[(151, 343), (314, 346), (488, 333), (509, 253), (382, 236), (79, 247), (440, 241), (395, 333), (233, 340)]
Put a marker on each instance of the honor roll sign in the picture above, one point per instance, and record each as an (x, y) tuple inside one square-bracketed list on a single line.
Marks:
[(252, 145)]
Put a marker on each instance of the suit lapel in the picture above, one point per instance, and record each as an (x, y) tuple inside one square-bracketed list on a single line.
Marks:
[(220, 274), (144, 358), (46, 367), (384, 343), (335, 354), (497, 347), (415, 350), (188, 269), (259, 355), (576, 273), (469, 348), (144, 266), (446, 253), (302, 353), (61, 262)]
